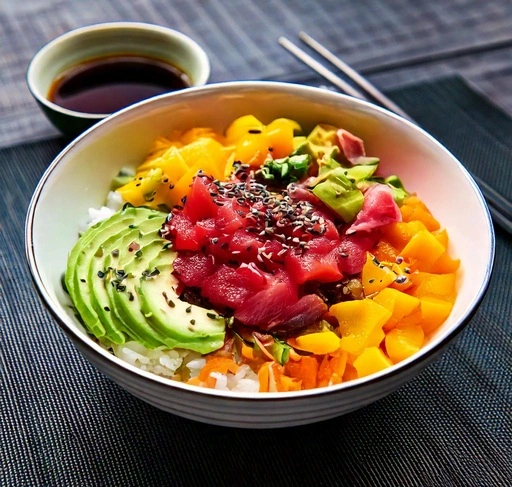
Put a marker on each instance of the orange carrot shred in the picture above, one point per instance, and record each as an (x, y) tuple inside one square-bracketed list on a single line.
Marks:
[(305, 369), (217, 364), (263, 377)]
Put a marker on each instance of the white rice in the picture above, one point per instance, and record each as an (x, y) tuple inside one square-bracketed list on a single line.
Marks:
[(245, 380), (114, 203), (161, 361), (195, 366), (166, 362)]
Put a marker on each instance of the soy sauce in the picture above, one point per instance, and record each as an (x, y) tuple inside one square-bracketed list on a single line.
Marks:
[(107, 84)]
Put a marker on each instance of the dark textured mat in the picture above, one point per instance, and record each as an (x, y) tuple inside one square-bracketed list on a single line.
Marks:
[(64, 423)]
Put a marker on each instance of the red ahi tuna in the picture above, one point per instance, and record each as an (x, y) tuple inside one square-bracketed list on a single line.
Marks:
[(252, 252)]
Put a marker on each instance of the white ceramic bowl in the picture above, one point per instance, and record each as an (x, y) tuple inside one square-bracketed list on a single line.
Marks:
[(85, 43), (80, 176)]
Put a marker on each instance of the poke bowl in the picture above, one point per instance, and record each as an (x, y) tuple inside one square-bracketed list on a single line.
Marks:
[(259, 254)]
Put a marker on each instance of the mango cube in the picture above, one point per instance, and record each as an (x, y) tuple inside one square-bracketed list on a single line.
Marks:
[(375, 276), (424, 248), (404, 341), (400, 304), (434, 312), (371, 360), (360, 323), (318, 343)]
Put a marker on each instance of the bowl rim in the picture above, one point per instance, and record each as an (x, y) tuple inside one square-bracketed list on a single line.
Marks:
[(415, 361), (32, 84)]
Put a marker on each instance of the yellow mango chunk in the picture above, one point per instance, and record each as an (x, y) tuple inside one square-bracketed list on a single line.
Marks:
[(423, 247), (385, 252), (402, 271), (442, 236), (252, 149), (196, 133), (255, 142), (403, 341), (441, 286), (371, 360), (414, 209), (318, 343), (375, 276), (280, 134), (360, 323), (398, 234), (241, 126), (171, 162), (434, 312), (445, 264), (400, 304), (141, 191), (160, 145), (206, 154)]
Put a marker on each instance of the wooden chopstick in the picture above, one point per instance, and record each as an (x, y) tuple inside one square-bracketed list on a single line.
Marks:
[(499, 207)]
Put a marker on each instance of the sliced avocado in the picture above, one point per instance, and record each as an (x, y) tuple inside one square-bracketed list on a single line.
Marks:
[(322, 141), (120, 283), (78, 263), (299, 145), (360, 172), (114, 275), (184, 325), (127, 212), (114, 250), (340, 194), (120, 180)]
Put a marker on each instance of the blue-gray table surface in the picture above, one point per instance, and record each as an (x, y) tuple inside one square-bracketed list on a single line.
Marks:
[(63, 423)]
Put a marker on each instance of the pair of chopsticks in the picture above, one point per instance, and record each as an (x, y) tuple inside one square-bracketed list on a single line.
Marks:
[(499, 207)]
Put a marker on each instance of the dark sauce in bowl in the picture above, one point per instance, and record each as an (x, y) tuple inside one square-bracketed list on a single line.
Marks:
[(107, 84)]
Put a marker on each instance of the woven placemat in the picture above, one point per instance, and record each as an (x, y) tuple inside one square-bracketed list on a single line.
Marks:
[(64, 423)]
